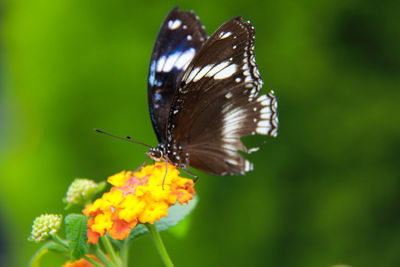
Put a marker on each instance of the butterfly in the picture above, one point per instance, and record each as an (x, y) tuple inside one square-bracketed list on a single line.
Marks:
[(204, 95)]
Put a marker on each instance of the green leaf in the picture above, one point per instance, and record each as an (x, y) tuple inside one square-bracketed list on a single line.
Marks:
[(43, 250), (76, 232), (176, 213)]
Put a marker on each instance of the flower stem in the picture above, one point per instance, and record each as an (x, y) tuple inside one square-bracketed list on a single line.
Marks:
[(92, 261), (103, 257), (109, 248), (124, 252), (60, 241), (155, 235)]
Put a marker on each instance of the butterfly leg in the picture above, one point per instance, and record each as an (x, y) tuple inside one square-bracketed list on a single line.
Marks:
[(144, 163), (166, 170), (196, 177)]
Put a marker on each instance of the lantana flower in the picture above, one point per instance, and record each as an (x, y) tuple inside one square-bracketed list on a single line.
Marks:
[(143, 196), (81, 262)]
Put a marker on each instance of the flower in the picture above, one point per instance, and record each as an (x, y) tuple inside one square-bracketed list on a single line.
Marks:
[(81, 262), (136, 197), (44, 226), (81, 191)]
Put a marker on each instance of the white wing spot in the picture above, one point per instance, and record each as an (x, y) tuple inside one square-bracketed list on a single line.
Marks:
[(248, 166), (226, 72), (224, 35), (232, 122), (251, 150), (192, 75), (177, 59), (228, 95), (262, 131), (202, 72), (234, 47), (160, 63), (184, 27), (263, 123), (217, 68), (238, 80), (189, 37), (169, 63), (185, 58), (265, 116), (262, 98), (173, 25)]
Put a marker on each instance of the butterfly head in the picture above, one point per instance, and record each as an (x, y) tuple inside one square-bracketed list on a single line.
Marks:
[(156, 153)]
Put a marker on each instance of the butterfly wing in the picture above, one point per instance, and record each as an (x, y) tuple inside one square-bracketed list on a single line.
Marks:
[(218, 102), (180, 37)]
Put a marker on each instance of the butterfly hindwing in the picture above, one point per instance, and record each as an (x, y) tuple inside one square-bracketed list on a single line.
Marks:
[(179, 39), (218, 102)]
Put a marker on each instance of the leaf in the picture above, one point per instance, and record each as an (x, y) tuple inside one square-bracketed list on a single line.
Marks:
[(76, 232), (176, 213), (43, 250)]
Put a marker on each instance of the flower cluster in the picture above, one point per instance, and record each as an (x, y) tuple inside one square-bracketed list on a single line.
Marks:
[(44, 226), (136, 197)]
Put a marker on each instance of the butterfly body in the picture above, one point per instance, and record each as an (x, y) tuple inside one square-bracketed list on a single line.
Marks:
[(203, 95)]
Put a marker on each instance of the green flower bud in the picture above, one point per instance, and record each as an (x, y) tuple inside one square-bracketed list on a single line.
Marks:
[(81, 191), (44, 226)]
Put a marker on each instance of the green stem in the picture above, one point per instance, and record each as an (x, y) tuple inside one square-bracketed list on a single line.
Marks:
[(109, 248), (124, 252), (155, 235), (60, 241), (92, 261), (103, 257)]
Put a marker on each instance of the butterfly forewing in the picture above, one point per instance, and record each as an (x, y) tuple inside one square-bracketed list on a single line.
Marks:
[(218, 102), (179, 39)]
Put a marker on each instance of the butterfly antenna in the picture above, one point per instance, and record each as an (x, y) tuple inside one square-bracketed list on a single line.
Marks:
[(122, 138)]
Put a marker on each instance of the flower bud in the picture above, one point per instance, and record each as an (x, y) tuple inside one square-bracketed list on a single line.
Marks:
[(81, 191), (44, 226)]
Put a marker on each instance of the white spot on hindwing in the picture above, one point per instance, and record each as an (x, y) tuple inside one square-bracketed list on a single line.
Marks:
[(232, 122), (226, 72), (202, 72), (268, 120), (217, 68), (222, 70), (174, 24), (228, 95), (192, 74), (224, 35), (248, 166)]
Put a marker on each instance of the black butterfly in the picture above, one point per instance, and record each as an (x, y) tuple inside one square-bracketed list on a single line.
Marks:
[(203, 95)]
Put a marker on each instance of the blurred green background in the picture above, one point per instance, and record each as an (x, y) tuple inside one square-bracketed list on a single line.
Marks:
[(325, 192)]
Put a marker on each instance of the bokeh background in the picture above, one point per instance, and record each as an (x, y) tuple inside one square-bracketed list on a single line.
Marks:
[(325, 192)]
